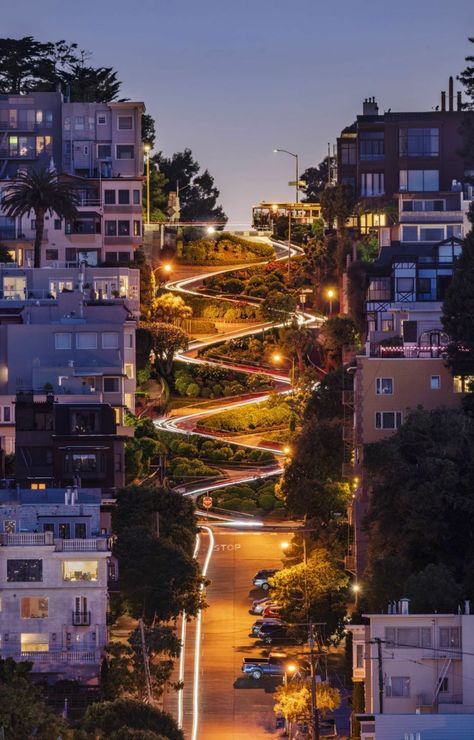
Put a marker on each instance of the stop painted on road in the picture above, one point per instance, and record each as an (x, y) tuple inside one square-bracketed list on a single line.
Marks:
[(226, 548)]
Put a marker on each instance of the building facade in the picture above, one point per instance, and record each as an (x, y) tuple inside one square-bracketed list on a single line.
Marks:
[(54, 569), (98, 145), (417, 674)]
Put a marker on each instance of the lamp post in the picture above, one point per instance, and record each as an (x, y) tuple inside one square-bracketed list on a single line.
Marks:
[(277, 357), (330, 293), (147, 153), (285, 151)]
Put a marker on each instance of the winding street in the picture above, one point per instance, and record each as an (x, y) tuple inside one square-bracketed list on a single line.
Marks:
[(213, 703)]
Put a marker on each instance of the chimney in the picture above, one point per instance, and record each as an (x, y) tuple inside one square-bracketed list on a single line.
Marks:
[(451, 94), (443, 100), (467, 607), (459, 100), (404, 606), (370, 107)]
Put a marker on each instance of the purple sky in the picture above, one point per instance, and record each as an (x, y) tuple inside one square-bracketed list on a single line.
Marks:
[(232, 81)]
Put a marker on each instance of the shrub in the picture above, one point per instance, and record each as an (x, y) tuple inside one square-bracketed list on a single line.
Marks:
[(266, 501), (248, 505), (192, 390), (186, 449), (233, 285)]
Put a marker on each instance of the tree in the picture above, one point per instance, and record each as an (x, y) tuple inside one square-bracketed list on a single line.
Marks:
[(296, 341), (106, 720), (422, 481), (91, 84), (434, 589), (27, 64), (337, 333), (278, 306), (312, 592), (42, 192), (166, 341), (169, 308), (148, 130), (293, 699), (23, 713), (467, 124), (467, 78), (316, 179), (458, 309), (337, 204)]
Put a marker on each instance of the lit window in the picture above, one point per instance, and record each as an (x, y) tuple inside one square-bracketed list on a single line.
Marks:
[(118, 414), (435, 382), (34, 607), (80, 570), (384, 386), (128, 369), (136, 228), (463, 383), (34, 642)]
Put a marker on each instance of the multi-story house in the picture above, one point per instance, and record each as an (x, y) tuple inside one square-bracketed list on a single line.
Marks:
[(380, 155), (59, 336), (54, 570), (60, 444), (417, 674), (96, 144)]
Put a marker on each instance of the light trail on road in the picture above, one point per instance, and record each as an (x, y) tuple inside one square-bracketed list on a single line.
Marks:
[(197, 643), (183, 649)]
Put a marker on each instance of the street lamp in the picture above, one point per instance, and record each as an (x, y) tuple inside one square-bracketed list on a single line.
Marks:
[(147, 149), (277, 357), (356, 591), (330, 294), (285, 151), (210, 230)]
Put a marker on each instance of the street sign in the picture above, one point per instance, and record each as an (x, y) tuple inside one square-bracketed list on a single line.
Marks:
[(207, 502), (300, 183)]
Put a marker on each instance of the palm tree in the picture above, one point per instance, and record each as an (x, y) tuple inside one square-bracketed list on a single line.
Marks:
[(43, 192)]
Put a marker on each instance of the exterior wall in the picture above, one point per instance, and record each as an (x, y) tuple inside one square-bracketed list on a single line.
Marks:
[(411, 388), (425, 726)]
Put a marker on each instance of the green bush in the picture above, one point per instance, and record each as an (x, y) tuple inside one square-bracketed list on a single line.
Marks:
[(266, 501), (192, 390), (249, 417), (248, 505)]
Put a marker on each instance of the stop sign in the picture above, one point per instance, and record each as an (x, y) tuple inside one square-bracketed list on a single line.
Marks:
[(207, 502)]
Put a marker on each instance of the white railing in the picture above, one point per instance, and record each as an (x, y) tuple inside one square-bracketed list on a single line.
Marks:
[(27, 538), (79, 545), (60, 656)]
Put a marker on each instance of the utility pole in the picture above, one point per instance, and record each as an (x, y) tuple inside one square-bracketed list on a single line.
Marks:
[(289, 239), (378, 642), (146, 664), (314, 664)]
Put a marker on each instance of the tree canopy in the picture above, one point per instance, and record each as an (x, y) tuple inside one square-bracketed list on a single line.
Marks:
[(293, 699), (106, 720), (316, 179)]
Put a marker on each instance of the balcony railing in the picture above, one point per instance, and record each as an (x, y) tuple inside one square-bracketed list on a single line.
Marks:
[(60, 656), (81, 619), (426, 700), (27, 538), (100, 544), (32, 539)]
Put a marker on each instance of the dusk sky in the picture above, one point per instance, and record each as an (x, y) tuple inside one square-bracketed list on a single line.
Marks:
[(232, 81)]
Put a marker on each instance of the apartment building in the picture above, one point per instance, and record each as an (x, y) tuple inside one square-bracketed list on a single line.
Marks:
[(54, 569), (99, 146), (382, 154), (417, 672), (75, 342)]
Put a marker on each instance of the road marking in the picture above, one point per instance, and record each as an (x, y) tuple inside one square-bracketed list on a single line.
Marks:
[(197, 644), (183, 649), (228, 548)]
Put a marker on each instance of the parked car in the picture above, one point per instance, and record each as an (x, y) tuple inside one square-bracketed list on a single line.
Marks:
[(261, 578), (273, 666), (272, 633), (271, 610), (260, 622), (258, 605)]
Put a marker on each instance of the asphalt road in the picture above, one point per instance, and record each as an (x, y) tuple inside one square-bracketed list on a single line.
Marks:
[(231, 706)]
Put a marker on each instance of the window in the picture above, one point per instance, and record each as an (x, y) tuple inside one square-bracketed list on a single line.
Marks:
[(388, 419), (348, 152), (84, 421), (124, 228), (79, 123), (7, 414), (125, 151), (419, 180), (387, 325), (128, 369), (82, 462), (80, 570), (398, 687), (359, 656), (409, 233), (34, 642), (64, 530), (44, 145), (86, 340), (33, 224), (431, 234), (111, 228), (111, 385), (407, 637), (109, 199), (23, 571), (136, 197), (67, 123), (450, 637), (58, 224), (136, 228), (63, 341), (9, 526), (101, 119), (51, 254), (435, 382), (110, 340), (80, 531), (444, 685), (104, 151), (463, 383), (125, 123), (124, 197), (34, 607), (372, 184), (455, 230), (48, 527), (118, 420), (419, 142), (405, 285), (371, 145), (384, 386)]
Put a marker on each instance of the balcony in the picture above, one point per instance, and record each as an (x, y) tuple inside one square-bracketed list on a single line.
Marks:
[(81, 619), (430, 217), (99, 544), (350, 563), (27, 539), (37, 539), (59, 656)]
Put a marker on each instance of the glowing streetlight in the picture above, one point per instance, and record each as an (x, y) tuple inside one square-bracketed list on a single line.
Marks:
[(167, 268), (330, 294), (277, 357), (284, 546), (287, 450), (147, 149), (356, 591), (210, 230)]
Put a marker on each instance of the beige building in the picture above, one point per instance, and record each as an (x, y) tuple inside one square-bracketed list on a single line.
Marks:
[(417, 671)]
